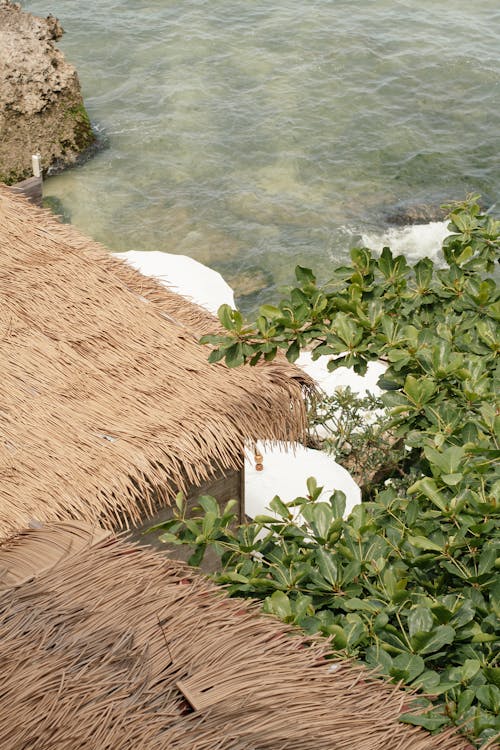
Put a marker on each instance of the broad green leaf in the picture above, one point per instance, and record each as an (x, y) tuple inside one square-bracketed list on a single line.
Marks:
[(361, 257), (492, 674), (487, 559), (420, 620), (351, 571), (381, 620), (489, 696), (304, 275), (429, 488), (412, 512), (347, 330), (362, 605), (407, 667), (279, 507), (390, 582), (197, 556), (209, 504), (393, 643), (449, 461), (442, 614), (488, 333), (421, 542), (312, 488), (234, 355), (213, 339), (225, 315), (470, 669), (180, 500), (302, 606), (419, 390), (265, 520), (327, 566), (427, 681), (238, 578), (339, 636), (270, 311), (169, 538), (377, 657), (429, 643), (465, 700), (481, 637), (355, 632), (216, 355), (320, 517), (279, 604), (423, 273), (452, 479), (338, 503), (464, 614), (208, 523), (293, 351)]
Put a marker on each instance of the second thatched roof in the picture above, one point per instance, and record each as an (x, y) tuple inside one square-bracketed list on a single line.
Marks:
[(112, 646), (108, 404)]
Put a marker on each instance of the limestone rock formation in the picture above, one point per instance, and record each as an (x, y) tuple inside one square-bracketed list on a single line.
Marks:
[(41, 106), (415, 213)]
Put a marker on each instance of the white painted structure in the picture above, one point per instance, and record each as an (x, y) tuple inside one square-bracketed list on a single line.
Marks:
[(285, 474), (184, 275)]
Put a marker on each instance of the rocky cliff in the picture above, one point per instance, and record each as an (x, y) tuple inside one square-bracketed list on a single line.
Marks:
[(41, 106)]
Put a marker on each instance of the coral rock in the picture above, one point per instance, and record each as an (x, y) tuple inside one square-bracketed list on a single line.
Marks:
[(41, 106)]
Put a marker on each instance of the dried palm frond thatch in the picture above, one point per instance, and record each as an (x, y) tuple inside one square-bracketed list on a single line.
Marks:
[(108, 404), (115, 647)]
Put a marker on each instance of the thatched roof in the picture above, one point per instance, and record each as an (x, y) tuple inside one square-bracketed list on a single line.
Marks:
[(107, 401), (113, 646)]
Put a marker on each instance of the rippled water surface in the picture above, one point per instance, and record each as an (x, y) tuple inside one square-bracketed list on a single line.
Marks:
[(255, 135)]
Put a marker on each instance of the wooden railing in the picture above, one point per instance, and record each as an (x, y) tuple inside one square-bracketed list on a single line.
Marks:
[(32, 187)]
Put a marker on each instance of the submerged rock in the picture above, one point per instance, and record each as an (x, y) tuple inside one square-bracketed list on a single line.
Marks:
[(58, 208), (420, 213), (263, 208), (249, 282), (41, 106)]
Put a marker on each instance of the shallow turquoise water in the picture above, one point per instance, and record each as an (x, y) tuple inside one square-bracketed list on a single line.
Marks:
[(253, 136)]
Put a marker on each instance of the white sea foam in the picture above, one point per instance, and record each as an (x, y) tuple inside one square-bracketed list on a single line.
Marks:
[(415, 241)]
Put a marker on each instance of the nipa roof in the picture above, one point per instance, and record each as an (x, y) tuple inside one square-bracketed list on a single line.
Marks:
[(113, 646), (107, 401)]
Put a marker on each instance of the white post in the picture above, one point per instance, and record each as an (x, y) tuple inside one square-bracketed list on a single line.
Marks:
[(36, 163)]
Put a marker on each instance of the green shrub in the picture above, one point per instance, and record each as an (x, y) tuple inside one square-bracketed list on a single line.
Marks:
[(356, 431), (398, 585), (409, 582)]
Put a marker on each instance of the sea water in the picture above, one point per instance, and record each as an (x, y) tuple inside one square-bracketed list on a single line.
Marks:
[(255, 135)]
